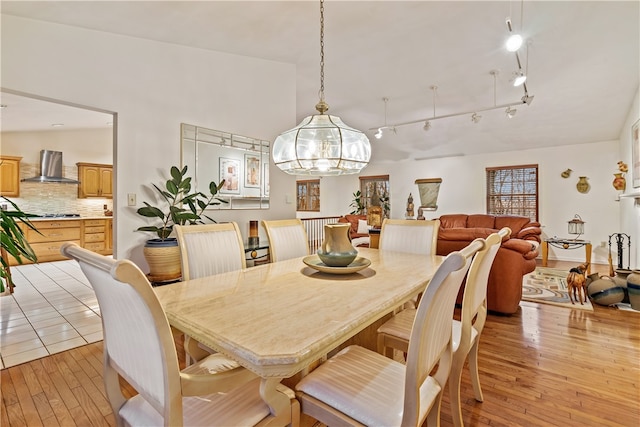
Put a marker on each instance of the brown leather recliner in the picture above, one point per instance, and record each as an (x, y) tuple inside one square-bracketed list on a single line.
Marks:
[(516, 257), (353, 231)]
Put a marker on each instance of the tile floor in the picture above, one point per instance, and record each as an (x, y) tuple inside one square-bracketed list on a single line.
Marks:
[(53, 309)]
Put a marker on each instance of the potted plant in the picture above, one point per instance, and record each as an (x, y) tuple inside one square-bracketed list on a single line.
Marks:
[(357, 204), (14, 242), (181, 207)]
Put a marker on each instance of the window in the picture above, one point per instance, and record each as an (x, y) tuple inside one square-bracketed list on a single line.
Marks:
[(375, 191), (308, 195), (513, 190)]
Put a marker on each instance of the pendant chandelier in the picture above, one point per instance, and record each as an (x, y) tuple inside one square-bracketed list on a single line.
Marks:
[(321, 145)]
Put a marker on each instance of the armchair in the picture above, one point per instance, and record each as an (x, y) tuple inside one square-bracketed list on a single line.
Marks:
[(516, 257)]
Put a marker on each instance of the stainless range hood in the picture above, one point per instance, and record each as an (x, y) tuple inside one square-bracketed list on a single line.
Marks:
[(51, 169)]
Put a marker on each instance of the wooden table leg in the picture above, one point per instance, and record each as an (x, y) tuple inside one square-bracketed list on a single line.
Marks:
[(545, 253), (587, 248), (279, 403)]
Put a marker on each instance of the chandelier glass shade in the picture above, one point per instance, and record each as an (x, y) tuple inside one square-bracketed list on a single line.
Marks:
[(321, 145)]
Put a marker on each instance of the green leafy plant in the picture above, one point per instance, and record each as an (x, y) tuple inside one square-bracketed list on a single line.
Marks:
[(386, 206), (182, 206), (13, 240), (357, 204)]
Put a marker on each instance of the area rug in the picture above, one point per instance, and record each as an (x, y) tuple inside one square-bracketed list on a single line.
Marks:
[(549, 286)]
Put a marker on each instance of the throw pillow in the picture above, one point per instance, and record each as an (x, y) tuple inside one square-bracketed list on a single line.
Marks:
[(363, 228)]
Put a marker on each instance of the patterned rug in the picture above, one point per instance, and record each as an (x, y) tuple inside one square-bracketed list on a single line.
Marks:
[(549, 286)]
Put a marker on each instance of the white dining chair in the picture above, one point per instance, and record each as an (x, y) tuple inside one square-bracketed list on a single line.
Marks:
[(205, 250), (287, 239), (358, 386), (139, 347), (208, 249), (396, 332), (404, 235)]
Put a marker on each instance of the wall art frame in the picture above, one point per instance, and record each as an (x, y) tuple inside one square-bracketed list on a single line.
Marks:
[(635, 153), (230, 172)]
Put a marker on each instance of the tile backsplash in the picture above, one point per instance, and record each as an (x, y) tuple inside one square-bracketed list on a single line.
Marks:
[(47, 198)]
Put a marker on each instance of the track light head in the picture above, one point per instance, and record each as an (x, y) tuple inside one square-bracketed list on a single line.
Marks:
[(475, 117), (514, 42), (378, 134), (427, 125), (519, 78), (510, 112)]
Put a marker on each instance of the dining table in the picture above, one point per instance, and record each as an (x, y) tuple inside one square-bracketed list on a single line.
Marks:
[(279, 318)]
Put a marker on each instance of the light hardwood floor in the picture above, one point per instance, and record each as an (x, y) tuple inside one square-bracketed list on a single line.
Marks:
[(542, 366)]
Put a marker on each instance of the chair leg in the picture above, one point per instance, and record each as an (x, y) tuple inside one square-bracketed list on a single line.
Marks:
[(455, 377), (382, 348), (473, 368)]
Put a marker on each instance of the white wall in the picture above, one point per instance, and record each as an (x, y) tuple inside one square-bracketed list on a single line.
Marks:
[(629, 206), (153, 87), (463, 189)]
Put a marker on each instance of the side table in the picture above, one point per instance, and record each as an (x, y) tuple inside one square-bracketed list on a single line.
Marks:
[(258, 254), (567, 244)]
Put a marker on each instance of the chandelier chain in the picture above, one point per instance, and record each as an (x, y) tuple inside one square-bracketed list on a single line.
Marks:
[(321, 50)]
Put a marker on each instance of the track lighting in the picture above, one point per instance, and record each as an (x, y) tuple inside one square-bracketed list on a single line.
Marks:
[(519, 79), (378, 134)]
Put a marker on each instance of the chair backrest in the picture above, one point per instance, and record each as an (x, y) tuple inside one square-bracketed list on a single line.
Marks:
[(431, 334), (287, 239), (405, 235), (208, 249), (475, 291), (138, 344)]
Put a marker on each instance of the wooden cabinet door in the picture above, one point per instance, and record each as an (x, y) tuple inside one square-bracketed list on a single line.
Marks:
[(95, 180), (10, 176), (106, 182)]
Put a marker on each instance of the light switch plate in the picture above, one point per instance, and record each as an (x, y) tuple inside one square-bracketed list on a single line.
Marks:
[(131, 199)]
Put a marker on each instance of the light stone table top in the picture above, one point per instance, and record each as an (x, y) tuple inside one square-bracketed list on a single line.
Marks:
[(276, 319)]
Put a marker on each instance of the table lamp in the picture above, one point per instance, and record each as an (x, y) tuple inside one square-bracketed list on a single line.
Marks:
[(254, 239)]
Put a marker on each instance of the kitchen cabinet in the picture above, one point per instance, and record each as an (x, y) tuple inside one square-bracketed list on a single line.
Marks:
[(96, 235), (92, 233), (10, 176), (96, 180), (53, 233)]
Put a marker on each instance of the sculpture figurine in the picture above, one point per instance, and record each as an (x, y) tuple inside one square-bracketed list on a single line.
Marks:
[(410, 211)]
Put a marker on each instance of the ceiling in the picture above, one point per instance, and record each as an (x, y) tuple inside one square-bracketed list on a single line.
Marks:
[(582, 60)]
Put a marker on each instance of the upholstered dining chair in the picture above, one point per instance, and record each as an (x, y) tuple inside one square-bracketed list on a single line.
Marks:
[(208, 249), (358, 386), (287, 239), (403, 235), (205, 250), (396, 332), (139, 347)]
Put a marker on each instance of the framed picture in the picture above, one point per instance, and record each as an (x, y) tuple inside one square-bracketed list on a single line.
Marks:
[(635, 153), (251, 171), (230, 172), (265, 179)]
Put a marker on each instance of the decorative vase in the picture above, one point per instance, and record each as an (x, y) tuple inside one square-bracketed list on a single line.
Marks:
[(163, 257), (619, 182), (621, 280), (582, 185), (633, 288), (336, 249)]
